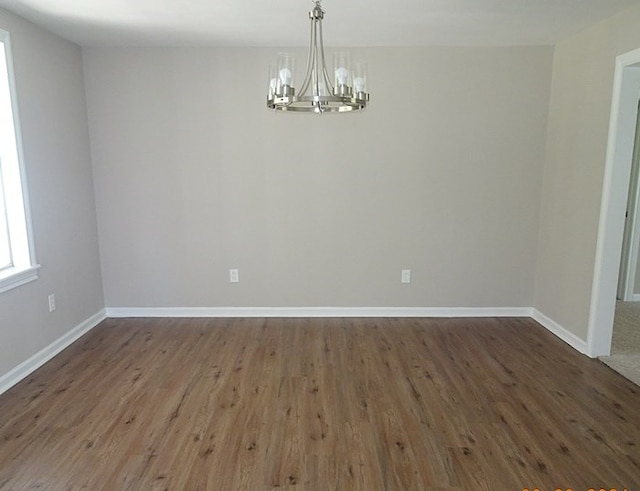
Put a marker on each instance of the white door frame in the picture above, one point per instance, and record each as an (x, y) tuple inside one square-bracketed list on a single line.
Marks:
[(615, 190), (631, 236)]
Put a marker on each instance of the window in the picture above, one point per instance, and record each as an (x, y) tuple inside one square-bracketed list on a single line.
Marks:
[(17, 260)]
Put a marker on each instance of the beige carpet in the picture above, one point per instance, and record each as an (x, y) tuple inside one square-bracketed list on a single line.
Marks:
[(625, 347)]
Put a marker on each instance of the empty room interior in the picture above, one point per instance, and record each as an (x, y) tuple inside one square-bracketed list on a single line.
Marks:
[(413, 265)]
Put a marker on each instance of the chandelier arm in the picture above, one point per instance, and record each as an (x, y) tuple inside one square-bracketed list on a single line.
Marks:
[(307, 72), (308, 79), (327, 79), (316, 61)]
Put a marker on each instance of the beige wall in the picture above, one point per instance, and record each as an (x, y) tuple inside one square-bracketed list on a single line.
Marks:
[(580, 107), (55, 138), (193, 176)]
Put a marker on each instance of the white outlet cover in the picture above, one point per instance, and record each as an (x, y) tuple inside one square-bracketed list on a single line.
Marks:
[(52, 302), (234, 276), (405, 276)]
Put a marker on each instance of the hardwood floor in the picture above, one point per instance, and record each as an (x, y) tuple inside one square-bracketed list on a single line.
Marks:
[(321, 404)]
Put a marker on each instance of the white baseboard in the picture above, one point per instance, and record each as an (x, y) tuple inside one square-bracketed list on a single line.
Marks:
[(567, 336), (28, 366), (21, 371), (319, 312)]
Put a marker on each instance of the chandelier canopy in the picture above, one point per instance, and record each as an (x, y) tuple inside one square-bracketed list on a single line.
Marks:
[(318, 93)]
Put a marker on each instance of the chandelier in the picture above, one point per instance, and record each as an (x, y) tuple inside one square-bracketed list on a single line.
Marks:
[(318, 93)]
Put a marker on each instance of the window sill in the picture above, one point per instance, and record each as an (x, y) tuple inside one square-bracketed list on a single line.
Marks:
[(13, 278)]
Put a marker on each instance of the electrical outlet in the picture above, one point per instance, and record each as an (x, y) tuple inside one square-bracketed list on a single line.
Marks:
[(405, 277), (234, 276), (52, 302)]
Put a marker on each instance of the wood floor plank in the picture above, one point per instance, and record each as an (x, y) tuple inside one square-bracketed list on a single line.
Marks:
[(320, 404)]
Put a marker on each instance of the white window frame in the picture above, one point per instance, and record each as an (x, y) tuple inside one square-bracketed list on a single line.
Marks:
[(23, 267)]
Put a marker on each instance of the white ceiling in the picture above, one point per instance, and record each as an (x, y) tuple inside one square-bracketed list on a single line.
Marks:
[(284, 22)]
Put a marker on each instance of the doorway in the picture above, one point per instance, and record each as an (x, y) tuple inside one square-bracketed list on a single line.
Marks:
[(615, 191)]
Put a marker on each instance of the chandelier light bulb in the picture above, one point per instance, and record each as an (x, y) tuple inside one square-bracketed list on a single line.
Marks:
[(273, 81), (285, 76), (359, 77), (342, 75)]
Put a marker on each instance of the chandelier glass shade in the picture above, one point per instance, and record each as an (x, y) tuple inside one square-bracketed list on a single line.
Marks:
[(319, 92)]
